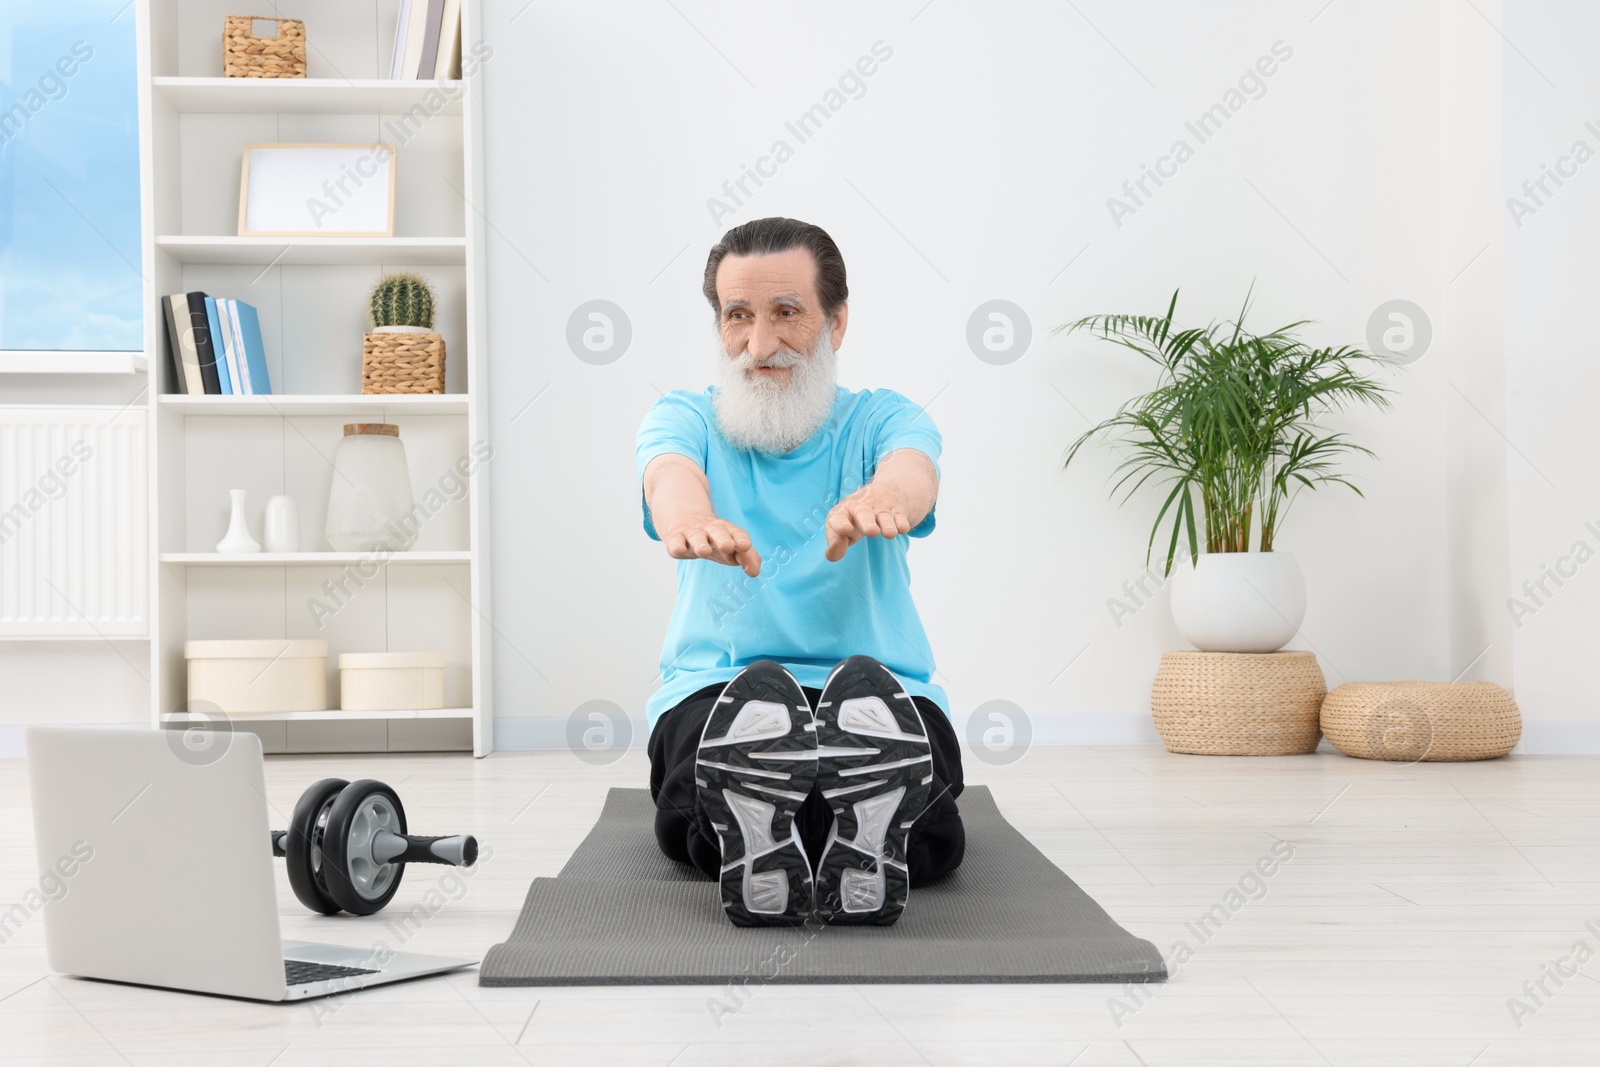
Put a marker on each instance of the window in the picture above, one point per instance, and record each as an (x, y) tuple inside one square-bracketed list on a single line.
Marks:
[(69, 177)]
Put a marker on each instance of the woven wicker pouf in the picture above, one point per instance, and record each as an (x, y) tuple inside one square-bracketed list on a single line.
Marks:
[(1413, 721), (1238, 703)]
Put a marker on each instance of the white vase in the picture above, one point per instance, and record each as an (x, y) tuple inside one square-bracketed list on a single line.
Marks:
[(1239, 601), (369, 502), (280, 525), (237, 540)]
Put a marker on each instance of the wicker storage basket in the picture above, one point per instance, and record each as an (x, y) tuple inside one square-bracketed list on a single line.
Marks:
[(1238, 703), (402, 363), (1413, 721), (244, 55)]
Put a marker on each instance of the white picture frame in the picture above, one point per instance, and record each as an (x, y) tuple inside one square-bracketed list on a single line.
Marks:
[(317, 190)]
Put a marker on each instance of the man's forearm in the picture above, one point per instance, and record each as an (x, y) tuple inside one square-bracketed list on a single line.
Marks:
[(675, 490), (679, 498), (910, 476)]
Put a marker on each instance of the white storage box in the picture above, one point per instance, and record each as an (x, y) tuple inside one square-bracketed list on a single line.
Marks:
[(391, 681), (258, 676)]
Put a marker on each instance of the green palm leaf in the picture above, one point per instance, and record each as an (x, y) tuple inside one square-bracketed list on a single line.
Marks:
[(1232, 418)]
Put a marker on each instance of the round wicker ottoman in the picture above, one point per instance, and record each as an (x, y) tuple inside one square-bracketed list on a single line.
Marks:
[(1413, 721), (1238, 703)]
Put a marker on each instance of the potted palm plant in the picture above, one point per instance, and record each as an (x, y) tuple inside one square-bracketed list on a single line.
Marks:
[(1230, 434)]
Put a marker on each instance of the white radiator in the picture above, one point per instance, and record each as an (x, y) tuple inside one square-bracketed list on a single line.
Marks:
[(73, 526)]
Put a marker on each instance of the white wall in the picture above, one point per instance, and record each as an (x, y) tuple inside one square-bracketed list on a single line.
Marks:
[(1552, 375), (1470, 328), (976, 165)]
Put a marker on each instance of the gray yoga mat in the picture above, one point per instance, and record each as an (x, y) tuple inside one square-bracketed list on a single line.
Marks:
[(620, 913)]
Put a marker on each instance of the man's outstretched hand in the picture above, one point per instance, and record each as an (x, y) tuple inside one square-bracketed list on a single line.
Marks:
[(871, 511), (900, 495), (704, 536)]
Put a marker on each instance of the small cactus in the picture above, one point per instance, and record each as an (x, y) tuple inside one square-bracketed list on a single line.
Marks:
[(402, 299)]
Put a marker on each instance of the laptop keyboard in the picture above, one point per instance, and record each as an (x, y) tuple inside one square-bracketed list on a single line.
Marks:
[(301, 972)]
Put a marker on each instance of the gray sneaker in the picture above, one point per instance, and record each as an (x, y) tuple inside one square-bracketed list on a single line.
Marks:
[(756, 763), (875, 769)]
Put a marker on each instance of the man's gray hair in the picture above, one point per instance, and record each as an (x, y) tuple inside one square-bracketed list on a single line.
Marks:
[(761, 237)]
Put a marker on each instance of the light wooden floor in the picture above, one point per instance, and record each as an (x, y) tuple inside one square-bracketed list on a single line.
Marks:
[(1418, 900)]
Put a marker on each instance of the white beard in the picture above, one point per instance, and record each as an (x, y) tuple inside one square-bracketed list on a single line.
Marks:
[(763, 415)]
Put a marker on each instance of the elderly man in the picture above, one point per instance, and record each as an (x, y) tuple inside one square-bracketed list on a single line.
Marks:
[(799, 750)]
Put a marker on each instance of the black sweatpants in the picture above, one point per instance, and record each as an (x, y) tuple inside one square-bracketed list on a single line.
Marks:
[(935, 846)]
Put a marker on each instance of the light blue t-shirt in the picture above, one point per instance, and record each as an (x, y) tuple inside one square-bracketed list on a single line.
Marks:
[(804, 612)]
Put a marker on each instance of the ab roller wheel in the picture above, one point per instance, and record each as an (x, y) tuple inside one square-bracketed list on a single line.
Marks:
[(347, 846), (301, 846)]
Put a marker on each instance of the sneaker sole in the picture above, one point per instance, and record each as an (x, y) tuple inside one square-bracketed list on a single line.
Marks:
[(875, 769), (755, 764)]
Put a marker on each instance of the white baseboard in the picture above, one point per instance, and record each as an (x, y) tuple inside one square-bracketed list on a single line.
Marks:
[(1559, 737), (13, 744), (1540, 737), (1109, 728)]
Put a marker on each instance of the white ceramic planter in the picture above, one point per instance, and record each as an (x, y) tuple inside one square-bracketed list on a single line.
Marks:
[(1239, 601)]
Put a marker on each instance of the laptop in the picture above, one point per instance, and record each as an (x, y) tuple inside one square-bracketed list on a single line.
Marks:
[(158, 864)]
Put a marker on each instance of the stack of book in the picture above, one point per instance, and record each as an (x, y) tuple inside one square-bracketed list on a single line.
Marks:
[(216, 345), (427, 40)]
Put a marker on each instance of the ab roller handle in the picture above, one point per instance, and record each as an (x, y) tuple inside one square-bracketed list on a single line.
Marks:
[(458, 851), (347, 846)]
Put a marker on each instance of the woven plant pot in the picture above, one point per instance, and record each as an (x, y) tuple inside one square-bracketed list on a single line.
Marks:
[(402, 363), (1414, 721), (244, 55), (1238, 703)]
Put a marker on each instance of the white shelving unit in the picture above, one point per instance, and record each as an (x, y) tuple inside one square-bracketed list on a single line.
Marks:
[(303, 251), (310, 292), (336, 715), (278, 559), (370, 407)]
